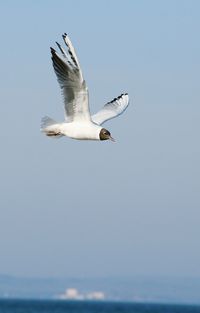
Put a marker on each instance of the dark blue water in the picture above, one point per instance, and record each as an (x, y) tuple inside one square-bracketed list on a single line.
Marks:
[(35, 306)]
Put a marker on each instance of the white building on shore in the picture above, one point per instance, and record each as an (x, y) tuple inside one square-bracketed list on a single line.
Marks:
[(73, 294)]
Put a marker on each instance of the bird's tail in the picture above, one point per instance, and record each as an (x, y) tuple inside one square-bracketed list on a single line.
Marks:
[(50, 127)]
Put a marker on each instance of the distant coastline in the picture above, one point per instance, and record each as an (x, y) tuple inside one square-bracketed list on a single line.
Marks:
[(138, 289)]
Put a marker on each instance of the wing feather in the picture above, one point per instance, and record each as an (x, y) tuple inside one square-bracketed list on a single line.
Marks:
[(111, 109), (70, 79)]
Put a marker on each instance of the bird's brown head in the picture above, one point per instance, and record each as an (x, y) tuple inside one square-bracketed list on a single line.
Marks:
[(105, 135)]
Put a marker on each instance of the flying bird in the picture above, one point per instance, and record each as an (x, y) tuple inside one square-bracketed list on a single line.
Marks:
[(78, 124)]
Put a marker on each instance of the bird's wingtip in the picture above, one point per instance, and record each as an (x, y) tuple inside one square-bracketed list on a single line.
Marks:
[(64, 35)]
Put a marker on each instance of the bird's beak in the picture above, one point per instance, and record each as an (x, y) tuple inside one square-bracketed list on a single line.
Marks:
[(112, 139)]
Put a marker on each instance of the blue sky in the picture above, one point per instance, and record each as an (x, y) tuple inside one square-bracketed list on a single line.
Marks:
[(72, 208)]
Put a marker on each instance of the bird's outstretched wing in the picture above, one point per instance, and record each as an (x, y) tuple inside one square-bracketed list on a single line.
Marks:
[(70, 78), (111, 109)]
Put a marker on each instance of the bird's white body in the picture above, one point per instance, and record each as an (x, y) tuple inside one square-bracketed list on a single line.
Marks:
[(82, 130), (79, 124)]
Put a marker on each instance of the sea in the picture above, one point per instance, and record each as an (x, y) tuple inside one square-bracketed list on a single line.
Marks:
[(52, 306)]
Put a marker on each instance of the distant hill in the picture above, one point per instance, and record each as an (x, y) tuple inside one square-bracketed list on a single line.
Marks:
[(138, 289)]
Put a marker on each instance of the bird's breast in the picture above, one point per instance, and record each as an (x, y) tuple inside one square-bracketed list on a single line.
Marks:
[(81, 130)]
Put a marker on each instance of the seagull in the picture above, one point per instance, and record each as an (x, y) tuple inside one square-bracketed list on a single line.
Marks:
[(79, 123)]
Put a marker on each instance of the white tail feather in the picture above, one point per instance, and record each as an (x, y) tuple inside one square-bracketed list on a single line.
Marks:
[(50, 127)]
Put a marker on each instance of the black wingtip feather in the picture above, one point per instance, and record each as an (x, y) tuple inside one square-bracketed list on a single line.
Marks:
[(52, 50), (64, 35), (119, 97)]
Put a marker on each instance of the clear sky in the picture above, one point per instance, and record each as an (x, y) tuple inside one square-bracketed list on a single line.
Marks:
[(70, 208)]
